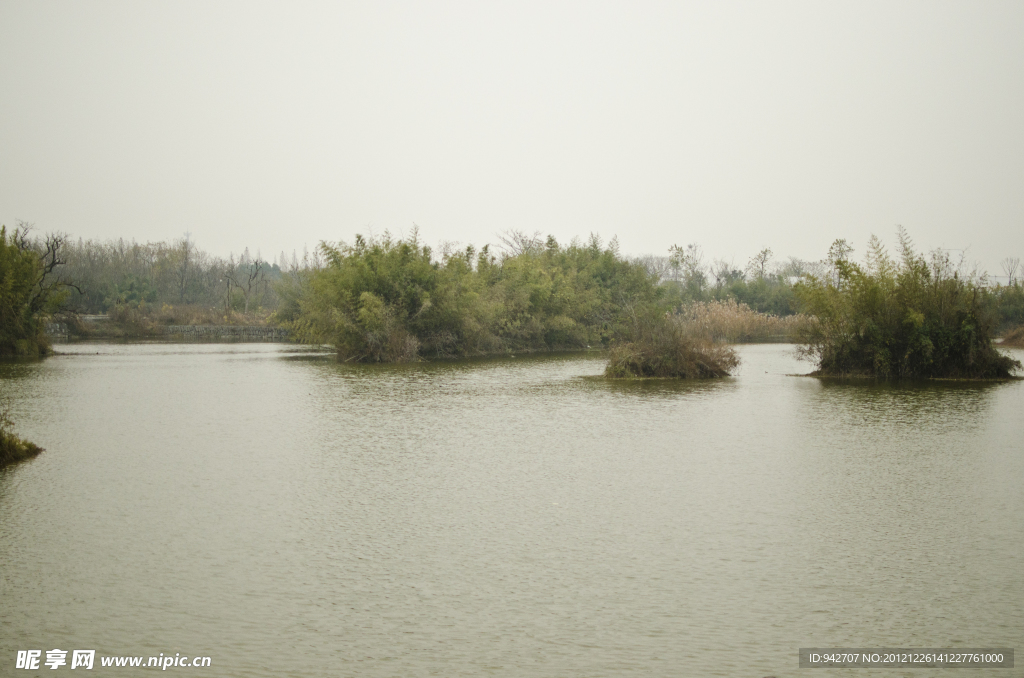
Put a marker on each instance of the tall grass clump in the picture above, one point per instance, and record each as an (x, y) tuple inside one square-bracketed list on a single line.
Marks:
[(667, 347), (13, 448), (902, 318), (735, 322)]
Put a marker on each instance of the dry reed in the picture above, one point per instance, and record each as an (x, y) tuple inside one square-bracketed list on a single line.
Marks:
[(666, 348), (1014, 338), (734, 322)]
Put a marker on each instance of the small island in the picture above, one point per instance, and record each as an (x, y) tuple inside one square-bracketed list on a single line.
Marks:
[(667, 348), (905, 318)]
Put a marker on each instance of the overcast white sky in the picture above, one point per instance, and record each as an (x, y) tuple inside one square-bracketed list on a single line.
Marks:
[(734, 125)]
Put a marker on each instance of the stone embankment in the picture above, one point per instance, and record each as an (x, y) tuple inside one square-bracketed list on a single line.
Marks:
[(100, 328), (252, 332)]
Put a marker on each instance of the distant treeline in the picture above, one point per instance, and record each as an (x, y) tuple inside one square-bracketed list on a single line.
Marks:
[(389, 298), (767, 285), (119, 273), (179, 273)]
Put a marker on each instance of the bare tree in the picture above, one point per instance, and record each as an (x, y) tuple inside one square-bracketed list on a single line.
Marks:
[(656, 266), (185, 269), (757, 267), (839, 252), (725, 273), (516, 242), (49, 283), (1010, 267), (689, 261), (248, 276)]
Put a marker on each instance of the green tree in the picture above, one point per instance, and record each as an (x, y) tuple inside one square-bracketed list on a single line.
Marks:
[(29, 290)]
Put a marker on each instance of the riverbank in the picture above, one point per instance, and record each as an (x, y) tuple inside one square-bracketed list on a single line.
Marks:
[(106, 327)]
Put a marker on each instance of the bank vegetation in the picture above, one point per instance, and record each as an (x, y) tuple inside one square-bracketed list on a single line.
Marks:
[(31, 290)]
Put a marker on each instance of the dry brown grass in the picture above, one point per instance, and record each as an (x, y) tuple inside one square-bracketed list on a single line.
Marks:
[(733, 322), (666, 348), (144, 320), (1014, 338)]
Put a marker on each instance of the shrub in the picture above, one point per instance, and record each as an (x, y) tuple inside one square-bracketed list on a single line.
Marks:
[(13, 448), (909, 318), (663, 347)]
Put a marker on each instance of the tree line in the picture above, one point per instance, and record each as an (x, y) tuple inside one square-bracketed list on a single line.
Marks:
[(120, 272), (395, 298)]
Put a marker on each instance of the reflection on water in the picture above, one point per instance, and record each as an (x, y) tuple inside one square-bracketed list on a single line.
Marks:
[(288, 515)]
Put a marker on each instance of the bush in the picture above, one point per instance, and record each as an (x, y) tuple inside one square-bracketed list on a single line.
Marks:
[(903, 319), (13, 448), (664, 347)]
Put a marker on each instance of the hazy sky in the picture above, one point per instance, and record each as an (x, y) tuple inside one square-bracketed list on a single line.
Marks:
[(734, 125)]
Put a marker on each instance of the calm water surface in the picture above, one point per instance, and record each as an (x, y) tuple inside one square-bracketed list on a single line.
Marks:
[(290, 516)]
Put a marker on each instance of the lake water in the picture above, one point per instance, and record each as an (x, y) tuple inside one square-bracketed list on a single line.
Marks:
[(287, 515)]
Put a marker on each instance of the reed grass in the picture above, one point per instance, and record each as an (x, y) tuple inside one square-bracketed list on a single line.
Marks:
[(147, 320), (734, 322), (667, 348)]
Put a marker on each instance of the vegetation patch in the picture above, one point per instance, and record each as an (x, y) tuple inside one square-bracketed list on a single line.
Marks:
[(667, 348), (133, 320), (29, 292), (12, 448), (903, 318), (734, 322), (389, 300)]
